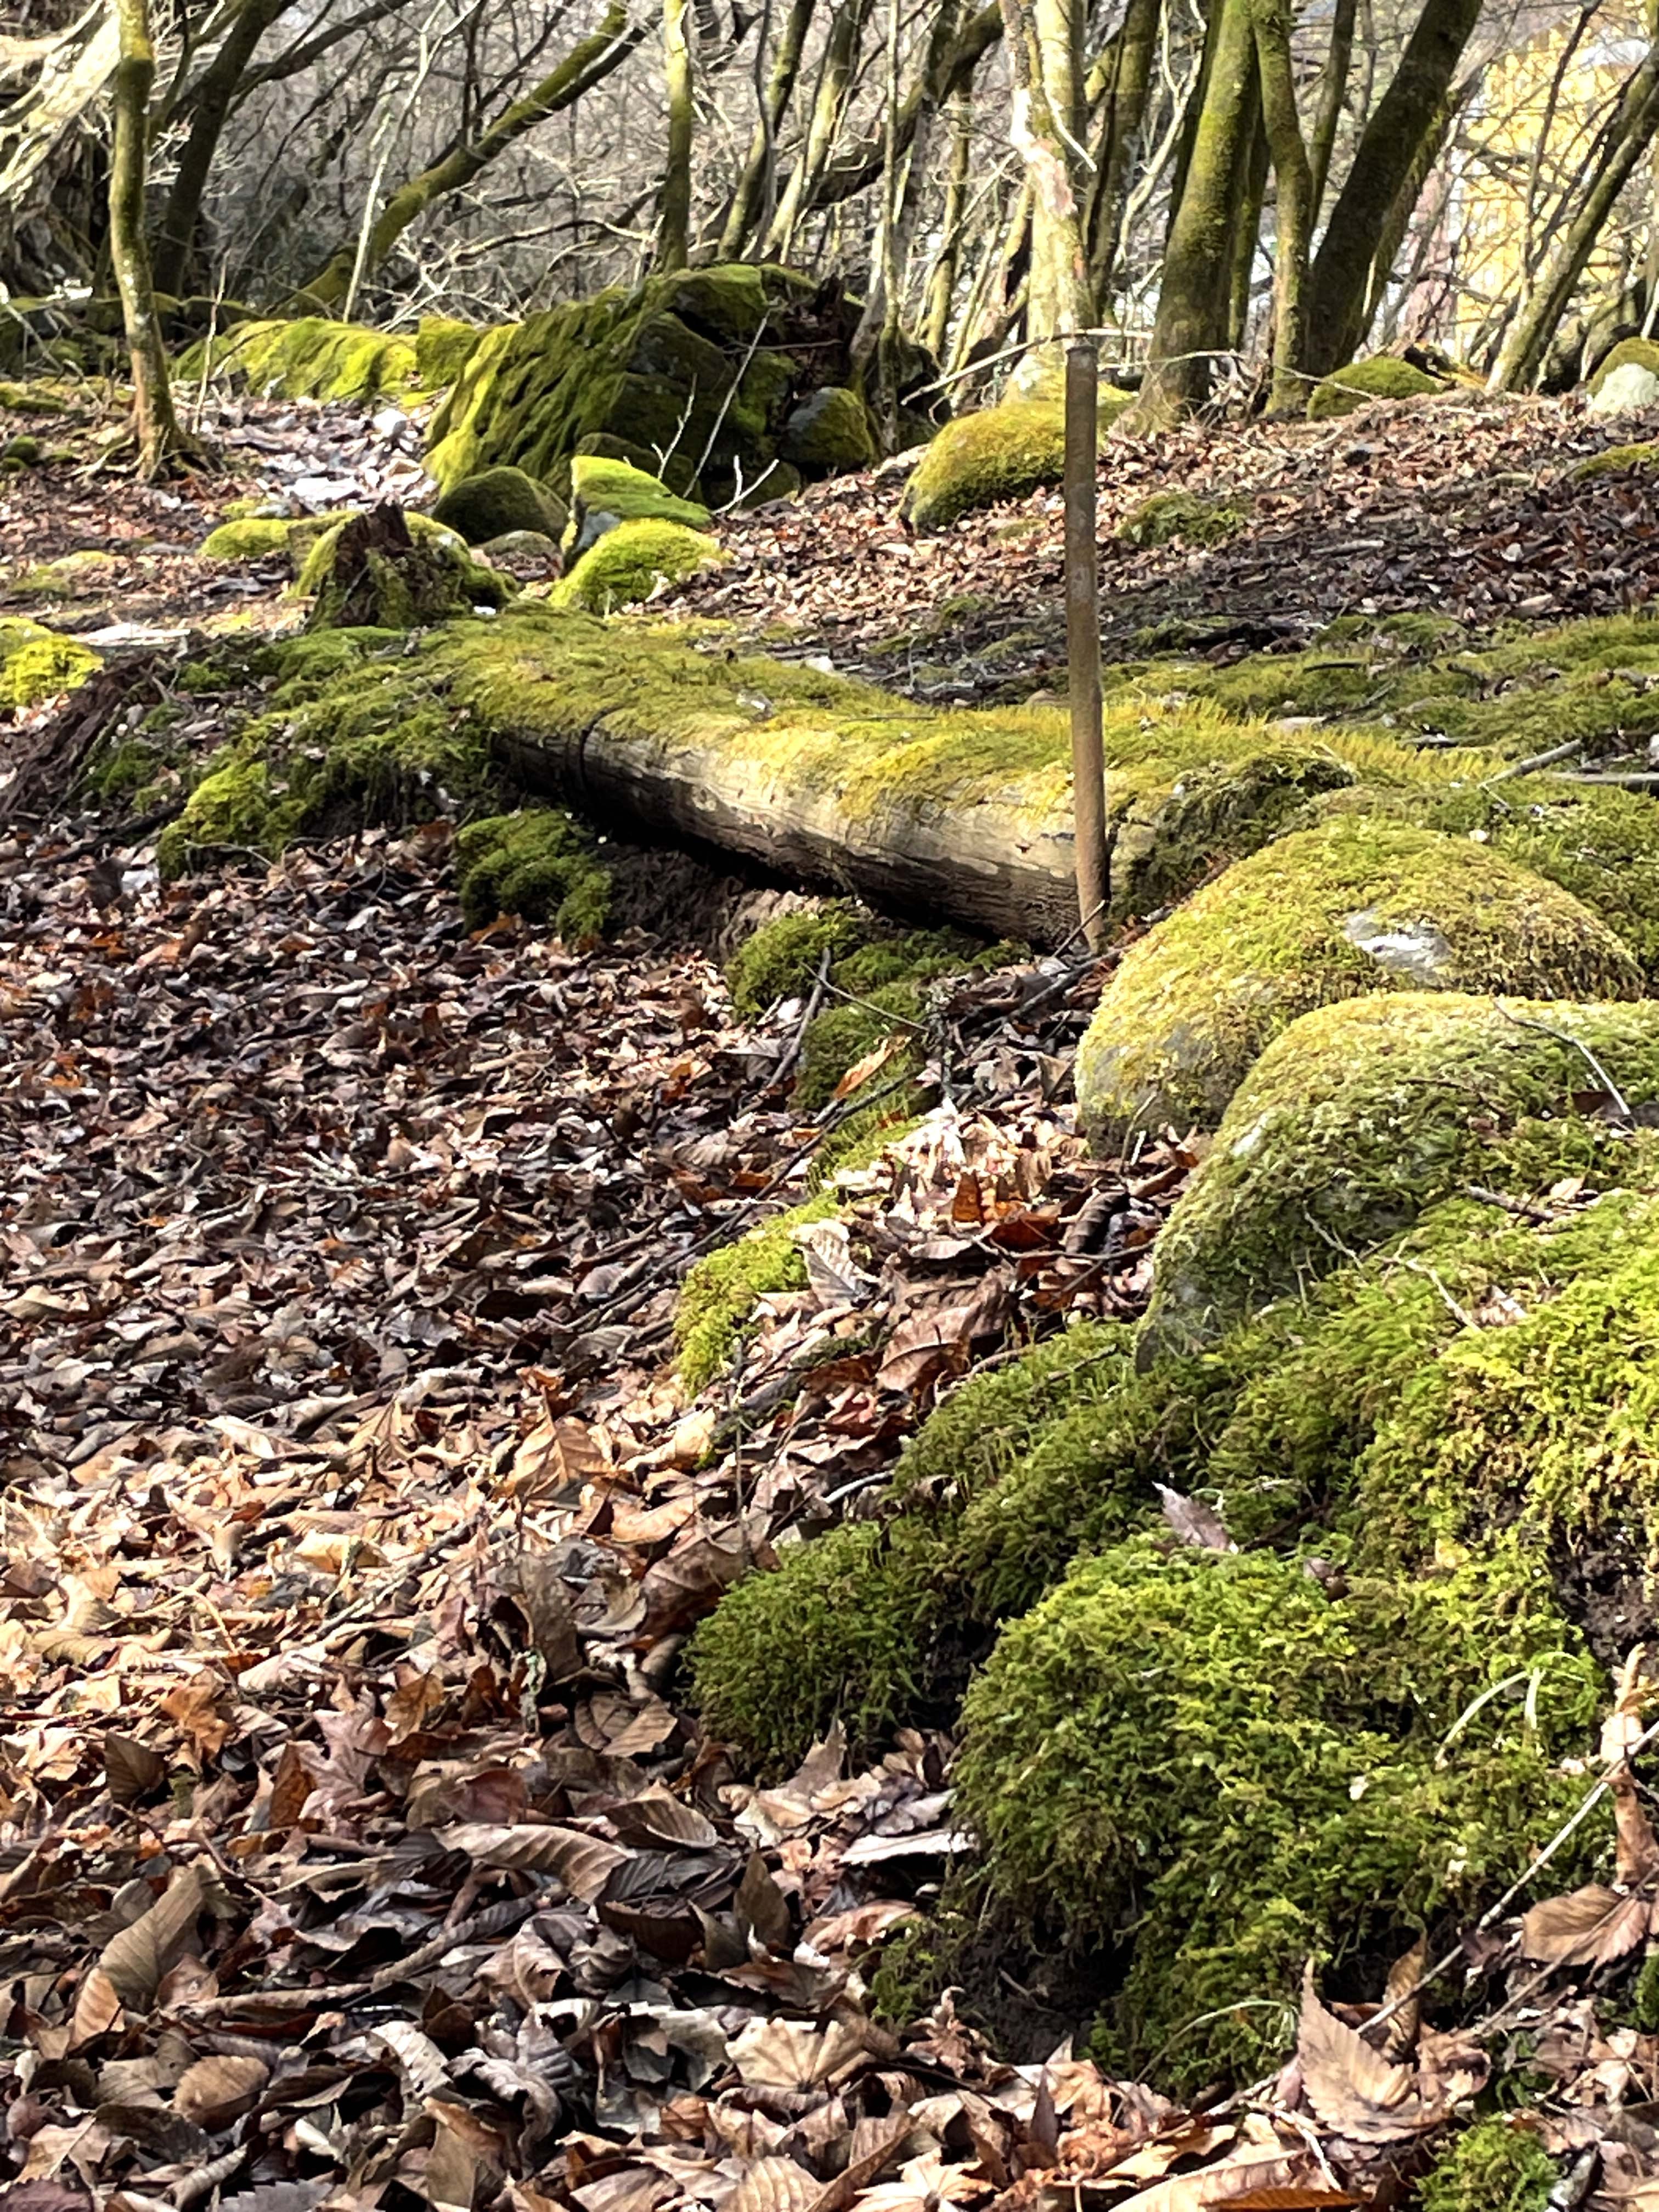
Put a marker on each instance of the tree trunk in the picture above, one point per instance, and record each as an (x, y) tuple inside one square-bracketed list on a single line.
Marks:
[(1126, 77), (1528, 341), (674, 209), (1039, 44), (751, 202), (212, 100), (840, 54), (879, 334), (585, 66), (1293, 178), (1340, 285), (154, 424), (942, 284), (1332, 84), (1246, 238), (1191, 325)]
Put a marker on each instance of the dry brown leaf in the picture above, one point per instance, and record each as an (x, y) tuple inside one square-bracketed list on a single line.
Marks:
[(97, 2009), (1398, 2033), (1588, 1927), (774, 2184), (583, 1864), (792, 2054), (217, 2090), (1193, 1521), (1352, 2088), (418, 2055), (135, 1960)]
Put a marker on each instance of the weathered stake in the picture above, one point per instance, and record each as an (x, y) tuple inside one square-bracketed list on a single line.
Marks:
[(1083, 639)]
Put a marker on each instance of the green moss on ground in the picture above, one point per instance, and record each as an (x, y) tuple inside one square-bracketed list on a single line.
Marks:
[(309, 357), (1357, 906), (83, 575), (1617, 461), (1182, 517), (629, 564), (724, 1287), (538, 863), (1383, 376), (36, 664), (781, 958), (1497, 2166), (1363, 1114), (443, 346), (495, 500), (251, 537), (1002, 452), (606, 493)]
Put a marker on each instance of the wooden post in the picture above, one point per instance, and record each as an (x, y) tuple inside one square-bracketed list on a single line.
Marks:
[(1082, 638)]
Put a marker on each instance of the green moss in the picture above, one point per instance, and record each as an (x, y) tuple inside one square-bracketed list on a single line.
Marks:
[(81, 575), (1383, 376), (628, 564), (1205, 1756), (1182, 518), (255, 538), (1616, 461), (1354, 907), (32, 400), (605, 493), (979, 460), (20, 453), (124, 770), (1497, 2166), (828, 433), (489, 505), (36, 664), (443, 346), (1362, 1116), (1640, 353), (781, 958), (441, 580), (308, 358), (725, 1286), (539, 864)]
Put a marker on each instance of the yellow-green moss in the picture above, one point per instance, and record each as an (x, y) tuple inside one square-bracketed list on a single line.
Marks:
[(1497, 2166), (1182, 518), (254, 537), (496, 501), (81, 575), (308, 358), (1383, 376), (1356, 906), (630, 563), (36, 664), (781, 958), (1001, 453), (1361, 1115), (446, 582), (443, 346), (726, 1285), (539, 864), (1640, 353), (606, 492), (828, 433), (1617, 461)]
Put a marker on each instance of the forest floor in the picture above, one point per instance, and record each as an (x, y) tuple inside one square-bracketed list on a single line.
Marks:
[(353, 1517)]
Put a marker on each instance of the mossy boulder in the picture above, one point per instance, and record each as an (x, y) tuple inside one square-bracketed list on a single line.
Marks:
[(1353, 907), (605, 493), (496, 501), (539, 864), (1382, 376), (443, 345), (249, 538), (705, 366), (37, 664), (1182, 518), (828, 433), (999, 454), (389, 570), (1361, 1115), (1638, 354), (307, 358), (632, 562)]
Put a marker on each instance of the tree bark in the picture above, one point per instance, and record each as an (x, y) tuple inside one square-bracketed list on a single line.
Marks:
[(1191, 326), (751, 208), (155, 426), (585, 66), (1293, 178), (212, 100), (674, 208), (1339, 283), (1528, 341), (1328, 113), (1044, 92), (942, 284), (1126, 77), (840, 54)]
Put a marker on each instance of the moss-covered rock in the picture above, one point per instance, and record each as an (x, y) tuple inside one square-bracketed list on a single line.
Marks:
[(251, 537), (705, 366), (630, 563), (1182, 518), (1638, 460), (389, 570), (495, 500), (36, 664), (606, 493), (443, 345), (1383, 376), (1001, 453), (308, 358), (20, 453), (1361, 1115), (783, 957), (1354, 907), (828, 433), (1497, 2166), (1629, 353), (539, 864)]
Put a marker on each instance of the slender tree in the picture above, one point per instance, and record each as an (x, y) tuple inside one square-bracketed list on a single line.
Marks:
[(1118, 92), (155, 425), (1293, 178), (751, 208), (674, 208), (1046, 83), (212, 98)]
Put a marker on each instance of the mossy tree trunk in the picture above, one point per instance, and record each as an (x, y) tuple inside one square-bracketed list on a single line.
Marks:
[(1251, 197), (155, 424), (586, 65), (1191, 326), (674, 207), (212, 97), (1328, 111), (1523, 354), (1398, 221), (1043, 56), (1123, 78), (879, 331), (950, 71), (1339, 290), (751, 202), (1293, 178), (836, 74), (942, 284)]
